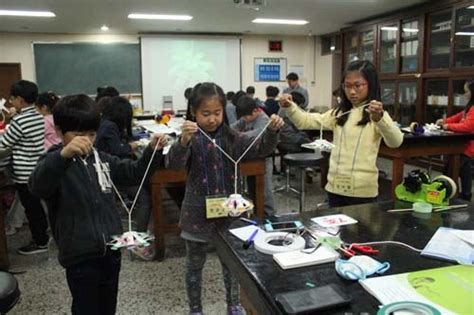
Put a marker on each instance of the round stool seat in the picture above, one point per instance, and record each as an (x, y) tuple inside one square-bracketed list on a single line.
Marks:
[(302, 159), (9, 292)]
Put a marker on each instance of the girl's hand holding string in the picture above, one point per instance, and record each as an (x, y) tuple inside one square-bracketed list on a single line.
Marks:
[(286, 100), (276, 122), (188, 129), (160, 139), (375, 110)]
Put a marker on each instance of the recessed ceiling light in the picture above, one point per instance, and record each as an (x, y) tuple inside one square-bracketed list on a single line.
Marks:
[(104, 28), (27, 13), (280, 21), (159, 17)]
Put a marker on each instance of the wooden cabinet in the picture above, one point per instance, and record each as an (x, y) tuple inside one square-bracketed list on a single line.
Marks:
[(423, 56)]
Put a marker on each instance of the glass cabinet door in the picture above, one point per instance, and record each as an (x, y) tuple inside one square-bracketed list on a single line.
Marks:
[(464, 38), (440, 35), (388, 48), (407, 102), (459, 100), (367, 45), (436, 100), (350, 47), (409, 47), (387, 93)]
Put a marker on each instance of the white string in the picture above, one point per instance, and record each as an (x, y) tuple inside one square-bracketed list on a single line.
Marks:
[(129, 211), (348, 112), (215, 144), (243, 154), (254, 140)]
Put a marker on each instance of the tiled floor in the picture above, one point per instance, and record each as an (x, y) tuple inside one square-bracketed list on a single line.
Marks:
[(145, 287)]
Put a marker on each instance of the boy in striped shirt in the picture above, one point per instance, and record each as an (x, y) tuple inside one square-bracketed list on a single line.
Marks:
[(25, 139)]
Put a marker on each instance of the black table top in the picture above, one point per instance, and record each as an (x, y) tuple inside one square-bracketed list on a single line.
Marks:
[(262, 278)]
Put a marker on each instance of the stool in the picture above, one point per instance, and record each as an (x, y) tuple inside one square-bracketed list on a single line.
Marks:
[(302, 161), (9, 292)]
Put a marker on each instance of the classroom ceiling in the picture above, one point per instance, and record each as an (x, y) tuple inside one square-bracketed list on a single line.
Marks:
[(209, 16)]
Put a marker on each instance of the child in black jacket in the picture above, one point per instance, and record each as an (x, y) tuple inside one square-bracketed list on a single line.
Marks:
[(82, 213)]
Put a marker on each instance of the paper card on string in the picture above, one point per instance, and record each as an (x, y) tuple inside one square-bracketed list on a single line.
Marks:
[(328, 221), (214, 208)]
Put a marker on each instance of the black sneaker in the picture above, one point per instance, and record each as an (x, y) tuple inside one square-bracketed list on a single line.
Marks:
[(32, 249)]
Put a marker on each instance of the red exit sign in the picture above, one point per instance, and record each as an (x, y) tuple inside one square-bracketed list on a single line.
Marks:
[(275, 45)]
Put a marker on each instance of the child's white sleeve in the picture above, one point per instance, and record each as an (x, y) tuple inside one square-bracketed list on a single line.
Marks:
[(304, 120)]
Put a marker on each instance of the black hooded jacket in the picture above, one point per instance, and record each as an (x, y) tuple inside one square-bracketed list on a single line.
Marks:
[(82, 217)]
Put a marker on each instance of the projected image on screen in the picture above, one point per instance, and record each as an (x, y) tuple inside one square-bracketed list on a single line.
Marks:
[(170, 65)]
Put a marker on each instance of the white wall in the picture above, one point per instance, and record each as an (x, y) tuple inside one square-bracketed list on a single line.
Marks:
[(299, 50)]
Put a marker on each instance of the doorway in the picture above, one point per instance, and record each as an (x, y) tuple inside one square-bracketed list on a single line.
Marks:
[(9, 74)]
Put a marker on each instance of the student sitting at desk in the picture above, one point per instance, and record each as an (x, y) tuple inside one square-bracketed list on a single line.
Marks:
[(210, 173), (251, 121), (464, 122), (82, 212), (357, 133)]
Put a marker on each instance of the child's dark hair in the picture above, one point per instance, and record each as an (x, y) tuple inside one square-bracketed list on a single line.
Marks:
[(188, 92), (229, 95), (106, 91), (204, 91), (245, 106), (26, 90), (298, 98), (368, 71), (48, 99), (76, 113), (120, 111), (250, 90), (470, 102), (237, 96), (272, 91), (102, 103), (292, 76)]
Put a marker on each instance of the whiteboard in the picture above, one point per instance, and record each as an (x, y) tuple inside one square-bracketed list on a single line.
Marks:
[(170, 64)]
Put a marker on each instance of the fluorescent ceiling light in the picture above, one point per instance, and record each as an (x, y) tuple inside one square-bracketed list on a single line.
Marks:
[(410, 30), (280, 21), (159, 17), (464, 33), (471, 7), (27, 13), (389, 28), (104, 28)]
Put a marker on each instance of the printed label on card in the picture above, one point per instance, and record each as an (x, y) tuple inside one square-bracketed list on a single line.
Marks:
[(333, 220), (214, 208)]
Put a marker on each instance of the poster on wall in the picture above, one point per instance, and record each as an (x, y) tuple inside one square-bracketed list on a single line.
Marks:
[(270, 69)]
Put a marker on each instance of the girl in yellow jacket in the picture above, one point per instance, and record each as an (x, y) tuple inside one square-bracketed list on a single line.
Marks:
[(353, 173)]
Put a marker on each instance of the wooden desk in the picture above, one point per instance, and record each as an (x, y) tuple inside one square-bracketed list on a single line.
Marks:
[(162, 177), (261, 278), (451, 145)]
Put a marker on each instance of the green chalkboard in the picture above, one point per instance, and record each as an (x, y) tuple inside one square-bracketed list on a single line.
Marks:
[(82, 67)]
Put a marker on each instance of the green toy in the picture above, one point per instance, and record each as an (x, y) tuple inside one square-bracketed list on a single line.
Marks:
[(417, 186)]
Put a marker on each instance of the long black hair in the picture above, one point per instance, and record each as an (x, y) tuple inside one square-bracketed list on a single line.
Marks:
[(368, 71), (470, 102), (120, 111)]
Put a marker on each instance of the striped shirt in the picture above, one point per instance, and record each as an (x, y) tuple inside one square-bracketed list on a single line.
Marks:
[(25, 137)]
